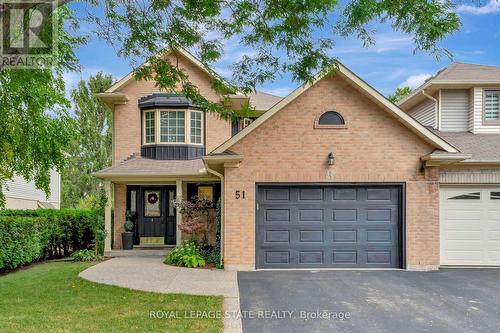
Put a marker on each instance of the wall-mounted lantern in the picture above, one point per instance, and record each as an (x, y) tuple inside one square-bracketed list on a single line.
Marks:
[(331, 159)]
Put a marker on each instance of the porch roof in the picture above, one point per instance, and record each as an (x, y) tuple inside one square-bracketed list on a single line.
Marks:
[(137, 166)]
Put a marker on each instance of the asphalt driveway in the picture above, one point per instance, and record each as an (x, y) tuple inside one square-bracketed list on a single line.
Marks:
[(449, 300)]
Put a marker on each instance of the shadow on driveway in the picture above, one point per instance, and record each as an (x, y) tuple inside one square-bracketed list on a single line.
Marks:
[(449, 300)]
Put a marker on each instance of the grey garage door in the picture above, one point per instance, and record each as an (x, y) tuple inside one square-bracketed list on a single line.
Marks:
[(303, 226)]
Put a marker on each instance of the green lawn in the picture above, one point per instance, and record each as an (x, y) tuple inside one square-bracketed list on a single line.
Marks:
[(52, 298)]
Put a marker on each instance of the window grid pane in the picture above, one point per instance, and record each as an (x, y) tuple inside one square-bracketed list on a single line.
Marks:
[(195, 127), (172, 126), (150, 127), (492, 105)]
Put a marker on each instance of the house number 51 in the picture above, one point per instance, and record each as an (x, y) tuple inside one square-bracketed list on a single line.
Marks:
[(239, 194)]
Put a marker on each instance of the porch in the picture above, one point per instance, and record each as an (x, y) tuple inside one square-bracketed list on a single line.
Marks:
[(147, 189)]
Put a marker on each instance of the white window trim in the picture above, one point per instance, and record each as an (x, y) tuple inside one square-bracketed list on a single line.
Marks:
[(489, 121), (187, 128), (144, 128)]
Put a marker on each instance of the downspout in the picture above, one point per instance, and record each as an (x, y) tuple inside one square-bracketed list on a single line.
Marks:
[(436, 114), (221, 176)]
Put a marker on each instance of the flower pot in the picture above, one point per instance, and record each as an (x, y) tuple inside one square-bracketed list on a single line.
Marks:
[(127, 240)]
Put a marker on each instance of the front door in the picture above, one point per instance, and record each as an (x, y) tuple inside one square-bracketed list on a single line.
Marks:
[(157, 216)]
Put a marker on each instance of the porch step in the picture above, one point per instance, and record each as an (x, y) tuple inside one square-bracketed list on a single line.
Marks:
[(153, 246), (138, 252)]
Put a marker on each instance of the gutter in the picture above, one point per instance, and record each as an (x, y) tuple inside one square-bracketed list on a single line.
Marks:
[(436, 116), (221, 176)]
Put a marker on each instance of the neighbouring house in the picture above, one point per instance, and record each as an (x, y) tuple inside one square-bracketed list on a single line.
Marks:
[(461, 104), (22, 194), (332, 175)]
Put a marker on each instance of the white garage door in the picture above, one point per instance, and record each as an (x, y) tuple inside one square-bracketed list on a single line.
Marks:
[(470, 225)]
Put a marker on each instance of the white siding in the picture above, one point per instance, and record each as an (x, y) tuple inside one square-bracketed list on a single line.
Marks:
[(454, 110), (21, 189), (425, 113), (478, 115), (471, 110)]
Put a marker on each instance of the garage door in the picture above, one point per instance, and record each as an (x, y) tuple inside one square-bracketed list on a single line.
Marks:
[(470, 226), (328, 226)]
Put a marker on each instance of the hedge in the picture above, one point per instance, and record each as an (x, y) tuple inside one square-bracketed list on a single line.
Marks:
[(31, 235)]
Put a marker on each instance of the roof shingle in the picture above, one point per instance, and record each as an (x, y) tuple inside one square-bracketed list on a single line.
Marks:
[(484, 147)]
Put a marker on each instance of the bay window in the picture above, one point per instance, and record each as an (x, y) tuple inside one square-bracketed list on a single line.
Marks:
[(174, 127)]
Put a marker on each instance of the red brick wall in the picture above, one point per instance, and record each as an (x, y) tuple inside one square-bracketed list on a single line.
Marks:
[(375, 147)]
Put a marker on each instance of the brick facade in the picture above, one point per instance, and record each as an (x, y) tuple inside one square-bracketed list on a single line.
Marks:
[(375, 147), (127, 129), (127, 121)]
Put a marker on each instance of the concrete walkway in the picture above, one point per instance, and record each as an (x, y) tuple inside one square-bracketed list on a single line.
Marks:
[(151, 274)]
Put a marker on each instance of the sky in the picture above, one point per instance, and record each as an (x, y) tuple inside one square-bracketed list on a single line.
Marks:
[(389, 64)]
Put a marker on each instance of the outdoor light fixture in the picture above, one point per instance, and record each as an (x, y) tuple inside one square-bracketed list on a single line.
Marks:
[(331, 159)]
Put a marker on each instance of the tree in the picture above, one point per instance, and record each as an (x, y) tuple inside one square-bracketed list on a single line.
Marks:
[(91, 149), (294, 36), (35, 125), (399, 94)]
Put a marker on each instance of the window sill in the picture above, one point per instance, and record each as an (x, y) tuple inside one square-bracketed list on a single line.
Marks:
[(318, 126)]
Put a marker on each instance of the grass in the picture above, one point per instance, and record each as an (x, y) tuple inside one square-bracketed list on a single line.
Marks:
[(52, 298)]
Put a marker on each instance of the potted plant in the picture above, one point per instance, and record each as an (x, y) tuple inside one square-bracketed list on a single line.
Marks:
[(128, 235)]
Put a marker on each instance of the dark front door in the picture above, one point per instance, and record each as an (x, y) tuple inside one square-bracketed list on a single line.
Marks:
[(156, 221), (328, 226)]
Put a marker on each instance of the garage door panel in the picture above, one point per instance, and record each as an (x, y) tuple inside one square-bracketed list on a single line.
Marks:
[(311, 194), (332, 232), (378, 194), (463, 214), (340, 194), (277, 194), (463, 235), (344, 215)]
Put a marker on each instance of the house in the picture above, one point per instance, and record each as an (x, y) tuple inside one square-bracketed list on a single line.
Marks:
[(332, 175), (22, 194), (460, 104)]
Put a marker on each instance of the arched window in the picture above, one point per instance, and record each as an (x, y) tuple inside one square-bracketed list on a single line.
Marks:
[(331, 118)]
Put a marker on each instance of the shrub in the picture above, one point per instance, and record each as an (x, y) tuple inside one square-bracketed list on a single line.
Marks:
[(211, 253), (22, 240), (85, 255), (187, 255), (30, 235)]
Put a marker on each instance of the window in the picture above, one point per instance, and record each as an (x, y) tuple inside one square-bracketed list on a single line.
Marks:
[(152, 202), (150, 126), (330, 119), (133, 198), (467, 196), (491, 105), (172, 126), (245, 122), (196, 127), (495, 196), (206, 192), (171, 208)]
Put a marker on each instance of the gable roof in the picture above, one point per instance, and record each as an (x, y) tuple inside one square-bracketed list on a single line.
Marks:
[(457, 74), (260, 100), (362, 86), (127, 78)]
